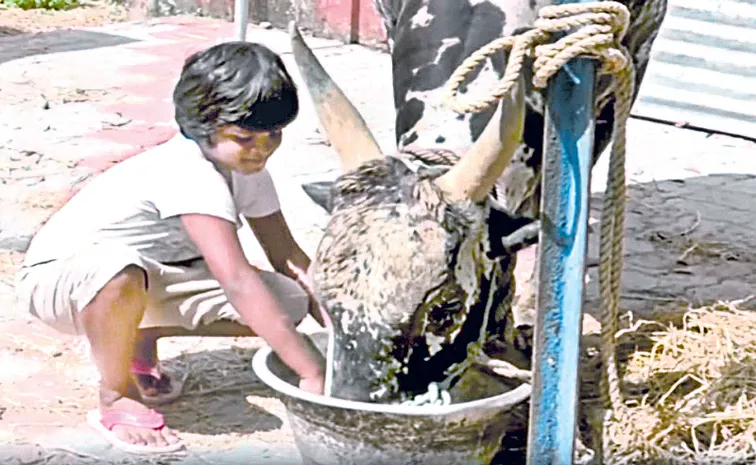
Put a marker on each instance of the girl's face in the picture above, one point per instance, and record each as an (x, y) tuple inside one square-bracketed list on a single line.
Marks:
[(243, 150)]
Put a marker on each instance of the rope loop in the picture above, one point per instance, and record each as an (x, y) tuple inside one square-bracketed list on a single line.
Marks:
[(594, 30)]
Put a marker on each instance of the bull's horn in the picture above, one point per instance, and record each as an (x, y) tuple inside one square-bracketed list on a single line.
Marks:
[(344, 126), (476, 172)]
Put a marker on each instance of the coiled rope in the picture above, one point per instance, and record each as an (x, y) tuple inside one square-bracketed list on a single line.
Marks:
[(587, 30)]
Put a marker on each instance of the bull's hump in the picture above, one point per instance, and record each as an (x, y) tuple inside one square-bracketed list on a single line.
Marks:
[(431, 39)]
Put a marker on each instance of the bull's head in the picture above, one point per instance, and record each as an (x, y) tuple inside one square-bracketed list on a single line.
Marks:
[(409, 265)]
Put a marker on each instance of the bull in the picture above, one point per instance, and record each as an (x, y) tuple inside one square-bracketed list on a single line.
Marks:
[(416, 263)]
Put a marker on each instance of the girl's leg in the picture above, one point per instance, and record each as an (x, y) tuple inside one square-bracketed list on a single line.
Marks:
[(110, 322)]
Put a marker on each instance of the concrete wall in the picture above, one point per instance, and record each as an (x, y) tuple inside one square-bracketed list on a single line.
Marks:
[(351, 21)]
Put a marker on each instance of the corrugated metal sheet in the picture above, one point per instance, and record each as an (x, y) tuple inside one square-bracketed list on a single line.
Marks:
[(703, 67)]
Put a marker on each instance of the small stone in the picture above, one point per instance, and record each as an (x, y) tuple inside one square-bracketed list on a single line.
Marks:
[(266, 25)]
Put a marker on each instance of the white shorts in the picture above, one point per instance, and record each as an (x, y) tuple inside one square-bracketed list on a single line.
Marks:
[(185, 295)]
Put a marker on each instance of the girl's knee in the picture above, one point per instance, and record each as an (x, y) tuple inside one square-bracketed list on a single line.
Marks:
[(132, 278), (127, 289)]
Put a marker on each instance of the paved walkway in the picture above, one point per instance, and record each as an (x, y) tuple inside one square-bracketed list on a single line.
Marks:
[(73, 103)]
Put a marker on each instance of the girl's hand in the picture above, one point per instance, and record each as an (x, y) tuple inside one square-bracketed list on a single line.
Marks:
[(314, 385)]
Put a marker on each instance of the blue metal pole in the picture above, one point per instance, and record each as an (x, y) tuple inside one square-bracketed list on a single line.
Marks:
[(568, 151)]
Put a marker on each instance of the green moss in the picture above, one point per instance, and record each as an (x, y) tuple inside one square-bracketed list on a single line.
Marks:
[(41, 4)]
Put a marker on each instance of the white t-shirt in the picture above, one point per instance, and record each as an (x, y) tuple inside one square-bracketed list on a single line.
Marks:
[(137, 203)]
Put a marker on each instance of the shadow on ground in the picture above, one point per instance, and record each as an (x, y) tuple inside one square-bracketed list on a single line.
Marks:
[(13, 47), (214, 400), (687, 242), (9, 31), (222, 413)]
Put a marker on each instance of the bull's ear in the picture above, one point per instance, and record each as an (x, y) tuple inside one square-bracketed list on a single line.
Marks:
[(510, 233), (321, 193)]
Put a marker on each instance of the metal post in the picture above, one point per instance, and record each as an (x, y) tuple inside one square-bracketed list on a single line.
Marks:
[(568, 151), (241, 17)]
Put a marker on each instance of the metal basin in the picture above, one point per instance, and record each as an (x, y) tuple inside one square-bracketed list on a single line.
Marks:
[(331, 431)]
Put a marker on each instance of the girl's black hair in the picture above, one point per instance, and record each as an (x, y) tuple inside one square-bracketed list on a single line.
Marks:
[(239, 83)]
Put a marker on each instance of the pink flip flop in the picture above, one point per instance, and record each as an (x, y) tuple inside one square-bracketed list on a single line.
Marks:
[(145, 367), (103, 422)]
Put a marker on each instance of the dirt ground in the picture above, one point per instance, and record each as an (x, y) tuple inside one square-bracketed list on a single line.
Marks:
[(89, 13)]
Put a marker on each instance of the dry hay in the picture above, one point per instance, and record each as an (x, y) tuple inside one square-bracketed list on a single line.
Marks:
[(694, 390)]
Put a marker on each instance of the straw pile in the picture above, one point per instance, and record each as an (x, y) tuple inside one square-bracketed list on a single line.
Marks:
[(691, 397)]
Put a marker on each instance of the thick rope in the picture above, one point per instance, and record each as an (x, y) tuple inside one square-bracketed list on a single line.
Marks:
[(592, 30)]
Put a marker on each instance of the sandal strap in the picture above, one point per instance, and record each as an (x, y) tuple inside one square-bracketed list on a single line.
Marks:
[(146, 367), (149, 419)]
